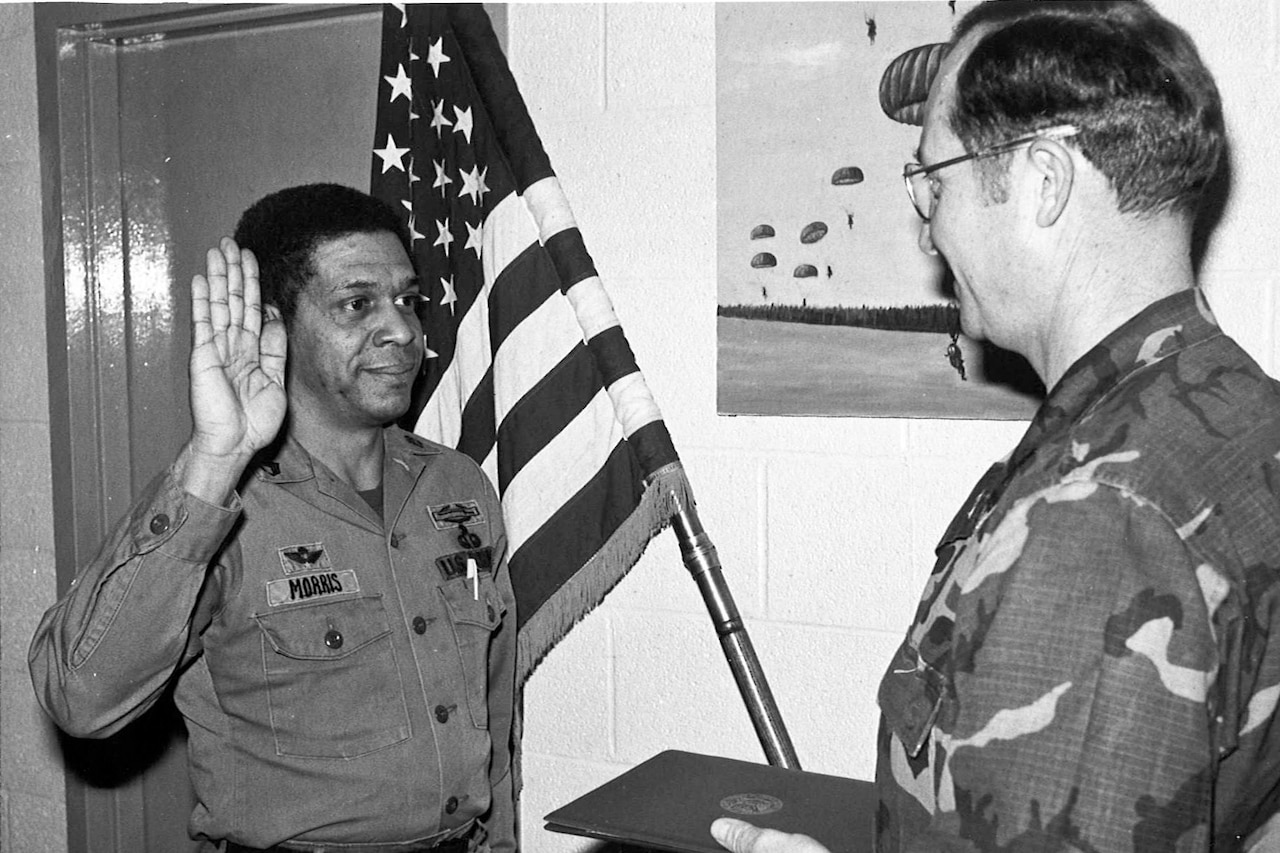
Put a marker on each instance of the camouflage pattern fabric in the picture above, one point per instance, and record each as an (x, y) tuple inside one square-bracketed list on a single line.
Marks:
[(1095, 662)]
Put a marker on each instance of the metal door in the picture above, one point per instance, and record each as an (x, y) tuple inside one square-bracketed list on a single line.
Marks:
[(167, 126)]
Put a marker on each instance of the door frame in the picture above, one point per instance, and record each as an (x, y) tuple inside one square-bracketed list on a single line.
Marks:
[(114, 789)]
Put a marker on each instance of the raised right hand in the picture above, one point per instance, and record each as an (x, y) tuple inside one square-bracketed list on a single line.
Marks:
[(237, 365)]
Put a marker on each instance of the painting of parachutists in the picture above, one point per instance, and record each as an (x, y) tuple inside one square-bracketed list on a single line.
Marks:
[(825, 303)]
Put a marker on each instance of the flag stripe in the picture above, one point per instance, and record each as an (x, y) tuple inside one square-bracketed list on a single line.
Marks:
[(539, 417), (653, 447), (613, 354), (564, 540), (527, 284), (592, 307), (479, 428), (551, 478), (549, 208), (569, 254)]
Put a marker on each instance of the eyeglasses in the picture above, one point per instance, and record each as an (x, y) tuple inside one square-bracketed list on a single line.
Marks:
[(916, 176)]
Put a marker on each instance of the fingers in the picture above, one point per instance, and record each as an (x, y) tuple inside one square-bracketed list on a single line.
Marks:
[(736, 835), (252, 302), (201, 328), (235, 283), (216, 273), (273, 346), (741, 837)]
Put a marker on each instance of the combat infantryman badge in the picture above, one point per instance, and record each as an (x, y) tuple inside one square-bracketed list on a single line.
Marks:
[(455, 514)]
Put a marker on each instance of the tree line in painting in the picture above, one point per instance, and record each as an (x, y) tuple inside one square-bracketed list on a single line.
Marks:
[(907, 318)]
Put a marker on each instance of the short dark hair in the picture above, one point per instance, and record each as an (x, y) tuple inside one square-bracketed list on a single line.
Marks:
[(1148, 111), (284, 228)]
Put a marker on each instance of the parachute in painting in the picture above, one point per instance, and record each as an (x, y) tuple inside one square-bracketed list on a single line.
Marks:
[(846, 175), (904, 87), (763, 260), (805, 271), (762, 231), (813, 232)]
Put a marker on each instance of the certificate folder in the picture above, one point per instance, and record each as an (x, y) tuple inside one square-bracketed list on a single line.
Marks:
[(669, 802)]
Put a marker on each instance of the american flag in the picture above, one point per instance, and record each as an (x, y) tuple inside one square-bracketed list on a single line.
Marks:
[(528, 371)]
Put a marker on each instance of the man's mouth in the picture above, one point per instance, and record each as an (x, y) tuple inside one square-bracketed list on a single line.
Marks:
[(396, 369)]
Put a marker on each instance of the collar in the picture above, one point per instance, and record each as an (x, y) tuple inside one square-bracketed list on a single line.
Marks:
[(288, 461), (1162, 329)]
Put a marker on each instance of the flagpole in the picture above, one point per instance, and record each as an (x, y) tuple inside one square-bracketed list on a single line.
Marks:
[(703, 563)]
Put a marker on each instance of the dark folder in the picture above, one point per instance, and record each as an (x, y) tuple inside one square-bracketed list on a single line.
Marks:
[(669, 802)]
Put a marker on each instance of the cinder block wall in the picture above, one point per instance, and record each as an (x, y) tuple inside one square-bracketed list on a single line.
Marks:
[(825, 527)]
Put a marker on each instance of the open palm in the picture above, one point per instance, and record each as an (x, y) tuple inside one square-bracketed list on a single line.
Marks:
[(238, 354)]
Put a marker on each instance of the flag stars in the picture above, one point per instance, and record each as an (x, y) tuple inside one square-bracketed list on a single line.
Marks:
[(413, 176), (463, 122), (475, 239), (437, 116), (404, 14), (441, 178), (450, 294), (473, 184), (445, 236), (401, 85), (414, 234), (436, 56), (391, 155)]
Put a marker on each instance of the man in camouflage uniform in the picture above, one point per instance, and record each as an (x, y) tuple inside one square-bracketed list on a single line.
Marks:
[(1093, 665)]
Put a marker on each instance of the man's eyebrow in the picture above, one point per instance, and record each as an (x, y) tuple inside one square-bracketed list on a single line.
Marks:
[(364, 284)]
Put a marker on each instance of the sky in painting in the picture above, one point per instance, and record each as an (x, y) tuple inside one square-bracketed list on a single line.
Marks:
[(797, 98)]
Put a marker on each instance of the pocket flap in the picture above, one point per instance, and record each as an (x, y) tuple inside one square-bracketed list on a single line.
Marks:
[(325, 630), (466, 609), (910, 697)]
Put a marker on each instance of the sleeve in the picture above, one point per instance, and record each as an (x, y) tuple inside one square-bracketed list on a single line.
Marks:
[(104, 653), (500, 820), (1083, 653)]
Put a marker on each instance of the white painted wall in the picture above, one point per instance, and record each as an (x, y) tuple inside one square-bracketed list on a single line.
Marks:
[(825, 527)]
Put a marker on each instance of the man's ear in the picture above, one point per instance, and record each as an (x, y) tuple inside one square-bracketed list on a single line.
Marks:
[(1052, 165)]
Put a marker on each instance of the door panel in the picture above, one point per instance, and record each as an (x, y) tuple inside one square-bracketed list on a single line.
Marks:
[(168, 125)]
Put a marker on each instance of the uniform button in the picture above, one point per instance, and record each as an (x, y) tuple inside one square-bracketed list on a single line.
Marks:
[(333, 638), (489, 611), (419, 625), (442, 713), (159, 523), (395, 543), (451, 805)]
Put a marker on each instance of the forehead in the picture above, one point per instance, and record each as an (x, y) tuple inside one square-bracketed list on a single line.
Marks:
[(373, 258)]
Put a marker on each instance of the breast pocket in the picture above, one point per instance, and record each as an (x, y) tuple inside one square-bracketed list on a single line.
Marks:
[(475, 612), (913, 699), (333, 685)]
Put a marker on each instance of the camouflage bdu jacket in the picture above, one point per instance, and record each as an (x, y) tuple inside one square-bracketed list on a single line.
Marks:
[(1095, 661)]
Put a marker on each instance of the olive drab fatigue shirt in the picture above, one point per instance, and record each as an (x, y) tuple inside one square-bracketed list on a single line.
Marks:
[(344, 678), (1095, 662)]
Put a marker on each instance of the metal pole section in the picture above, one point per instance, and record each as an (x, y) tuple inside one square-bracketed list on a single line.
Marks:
[(702, 562)]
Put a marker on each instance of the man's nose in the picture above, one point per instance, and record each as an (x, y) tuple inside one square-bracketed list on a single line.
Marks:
[(925, 239), (398, 327)]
